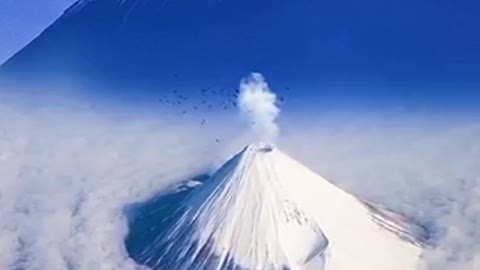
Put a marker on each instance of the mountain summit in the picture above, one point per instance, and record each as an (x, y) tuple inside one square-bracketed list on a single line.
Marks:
[(263, 210)]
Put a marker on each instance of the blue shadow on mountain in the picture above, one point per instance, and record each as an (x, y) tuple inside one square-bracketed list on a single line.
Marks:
[(149, 221)]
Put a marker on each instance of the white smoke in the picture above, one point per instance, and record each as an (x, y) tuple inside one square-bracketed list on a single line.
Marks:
[(258, 103)]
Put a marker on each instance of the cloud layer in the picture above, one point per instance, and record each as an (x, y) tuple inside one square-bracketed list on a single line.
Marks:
[(67, 171), (66, 174), (424, 168)]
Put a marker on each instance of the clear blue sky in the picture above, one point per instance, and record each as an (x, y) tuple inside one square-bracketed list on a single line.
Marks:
[(421, 54), (23, 20)]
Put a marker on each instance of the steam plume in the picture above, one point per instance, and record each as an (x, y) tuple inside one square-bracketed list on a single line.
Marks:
[(258, 103)]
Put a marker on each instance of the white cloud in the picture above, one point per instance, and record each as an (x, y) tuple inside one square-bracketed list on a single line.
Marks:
[(425, 168), (66, 174)]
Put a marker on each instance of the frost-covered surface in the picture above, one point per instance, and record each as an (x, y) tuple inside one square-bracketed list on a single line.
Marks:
[(263, 210)]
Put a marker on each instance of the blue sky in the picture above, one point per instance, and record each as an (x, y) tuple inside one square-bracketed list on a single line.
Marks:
[(23, 20), (402, 55)]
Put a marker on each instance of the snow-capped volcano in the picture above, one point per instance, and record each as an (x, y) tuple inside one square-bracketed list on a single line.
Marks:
[(264, 210)]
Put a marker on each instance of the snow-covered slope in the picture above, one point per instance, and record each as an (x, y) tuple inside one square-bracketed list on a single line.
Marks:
[(264, 210)]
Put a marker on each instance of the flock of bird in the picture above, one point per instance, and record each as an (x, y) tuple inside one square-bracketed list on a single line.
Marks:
[(210, 99)]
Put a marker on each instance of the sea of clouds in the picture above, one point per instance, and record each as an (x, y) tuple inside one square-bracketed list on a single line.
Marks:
[(67, 170)]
